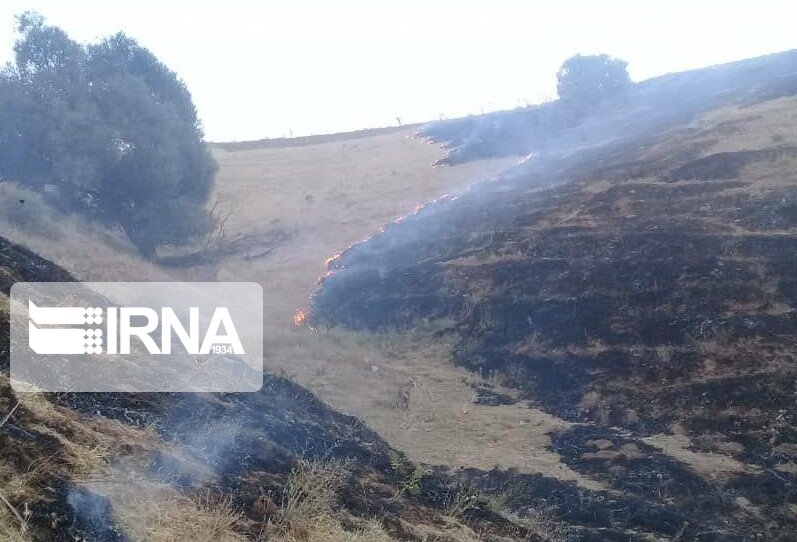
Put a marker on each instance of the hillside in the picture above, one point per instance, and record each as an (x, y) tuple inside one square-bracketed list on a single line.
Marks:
[(163, 467), (273, 465), (596, 344), (654, 104), (642, 290)]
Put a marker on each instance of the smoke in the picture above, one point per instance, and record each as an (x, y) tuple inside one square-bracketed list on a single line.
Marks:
[(563, 127), (93, 516), (199, 448), (389, 279), (200, 453)]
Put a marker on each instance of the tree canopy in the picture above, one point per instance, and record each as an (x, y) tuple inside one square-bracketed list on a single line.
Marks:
[(586, 78), (109, 130)]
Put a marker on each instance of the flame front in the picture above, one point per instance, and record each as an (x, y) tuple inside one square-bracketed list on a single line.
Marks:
[(300, 317), (336, 263)]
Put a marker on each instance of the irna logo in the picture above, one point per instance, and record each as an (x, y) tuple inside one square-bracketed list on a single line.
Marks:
[(122, 325), (137, 336)]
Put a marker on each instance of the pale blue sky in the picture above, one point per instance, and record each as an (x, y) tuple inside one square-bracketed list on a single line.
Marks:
[(263, 68)]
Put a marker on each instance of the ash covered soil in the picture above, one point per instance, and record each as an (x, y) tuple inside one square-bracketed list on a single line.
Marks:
[(644, 289)]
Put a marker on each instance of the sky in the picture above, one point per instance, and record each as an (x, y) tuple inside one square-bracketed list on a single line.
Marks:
[(264, 68)]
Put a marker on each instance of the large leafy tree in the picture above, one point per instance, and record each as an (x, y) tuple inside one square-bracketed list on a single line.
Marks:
[(588, 78), (111, 129)]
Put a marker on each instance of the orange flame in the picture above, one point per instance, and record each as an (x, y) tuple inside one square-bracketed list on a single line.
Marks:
[(300, 318), (333, 264), (332, 260)]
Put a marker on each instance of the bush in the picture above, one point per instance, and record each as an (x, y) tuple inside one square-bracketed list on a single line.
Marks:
[(312, 489), (585, 79), (111, 129)]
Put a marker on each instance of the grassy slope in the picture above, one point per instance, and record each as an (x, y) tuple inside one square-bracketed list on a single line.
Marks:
[(404, 386), (650, 295), (355, 186)]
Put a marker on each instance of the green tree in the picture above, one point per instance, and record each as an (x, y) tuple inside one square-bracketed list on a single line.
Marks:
[(111, 128), (585, 79)]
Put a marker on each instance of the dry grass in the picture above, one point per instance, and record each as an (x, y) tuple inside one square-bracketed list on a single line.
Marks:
[(765, 125), (664, 353), (712, 466), (207, 518), (10, 530), (328, 529), (542, 525), (12, 522), (410, 392), (78, 448), (539, 521), (154, 511), (460, 502), (736, 128), (308, 511), (312, 489), (403, 386), (85, 445), (354, 188), (531, 345)]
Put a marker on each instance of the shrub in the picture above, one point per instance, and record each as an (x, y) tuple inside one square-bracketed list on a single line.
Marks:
[(312, 489), (111, 129), (585, 79)]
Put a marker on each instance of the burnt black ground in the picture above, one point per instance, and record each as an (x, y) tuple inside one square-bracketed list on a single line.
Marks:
[(661, 300)]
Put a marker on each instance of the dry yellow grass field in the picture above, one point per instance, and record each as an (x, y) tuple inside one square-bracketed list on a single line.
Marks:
[(335, 194), (328, 196)]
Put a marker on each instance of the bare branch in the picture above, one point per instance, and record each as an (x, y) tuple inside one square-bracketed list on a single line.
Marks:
[(10, 413)]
